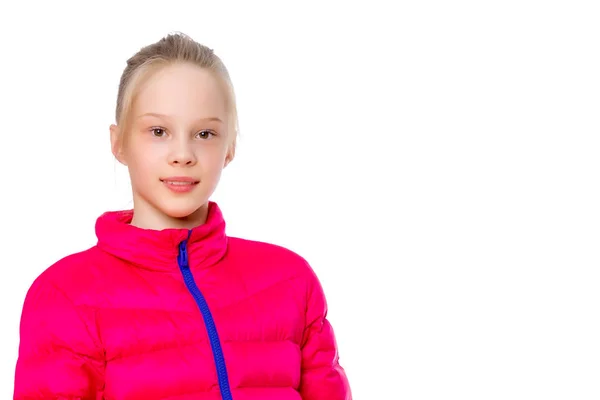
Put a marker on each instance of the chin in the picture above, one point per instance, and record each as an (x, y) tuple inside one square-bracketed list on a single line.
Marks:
[(180, 210)]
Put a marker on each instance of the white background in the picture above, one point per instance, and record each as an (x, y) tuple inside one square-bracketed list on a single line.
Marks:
[(436, 162)]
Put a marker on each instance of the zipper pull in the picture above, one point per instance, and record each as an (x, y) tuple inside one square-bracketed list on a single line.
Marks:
[(182, 257)]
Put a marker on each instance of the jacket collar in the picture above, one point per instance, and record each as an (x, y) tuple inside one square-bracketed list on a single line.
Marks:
[(158, 249)]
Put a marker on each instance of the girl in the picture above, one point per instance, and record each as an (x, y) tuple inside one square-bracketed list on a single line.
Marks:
[(166, 305)]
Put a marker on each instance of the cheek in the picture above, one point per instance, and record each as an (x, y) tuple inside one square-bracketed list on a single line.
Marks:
[(141, 166), (212, 158)]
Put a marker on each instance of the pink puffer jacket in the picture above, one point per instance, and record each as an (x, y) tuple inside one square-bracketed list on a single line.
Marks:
[(177, 314)]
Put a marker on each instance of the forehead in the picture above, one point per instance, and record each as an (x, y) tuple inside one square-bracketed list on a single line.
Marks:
[(181, 90)]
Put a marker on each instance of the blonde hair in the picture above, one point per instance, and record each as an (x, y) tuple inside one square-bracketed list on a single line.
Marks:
[(171, 49)]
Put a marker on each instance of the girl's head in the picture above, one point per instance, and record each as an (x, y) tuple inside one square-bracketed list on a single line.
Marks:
[(176, 121)]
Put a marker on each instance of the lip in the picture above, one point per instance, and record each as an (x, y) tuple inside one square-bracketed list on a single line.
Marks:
[(179, 179), (185, 183)]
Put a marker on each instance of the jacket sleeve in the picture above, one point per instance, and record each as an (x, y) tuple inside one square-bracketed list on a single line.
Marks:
[(58, 357), (323, 378)]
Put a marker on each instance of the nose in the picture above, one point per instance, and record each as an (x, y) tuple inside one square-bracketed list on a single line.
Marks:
[(182, 153)]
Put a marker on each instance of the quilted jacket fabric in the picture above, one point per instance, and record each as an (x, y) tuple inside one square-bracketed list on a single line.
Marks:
[(177, 314)]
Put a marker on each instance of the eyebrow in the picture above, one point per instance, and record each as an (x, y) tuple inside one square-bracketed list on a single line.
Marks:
[(151, 114)]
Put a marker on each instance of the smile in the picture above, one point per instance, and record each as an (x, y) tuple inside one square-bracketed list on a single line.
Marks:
[(180, 184)]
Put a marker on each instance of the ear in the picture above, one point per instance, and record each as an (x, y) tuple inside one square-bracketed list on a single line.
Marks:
[(230, 153), (116, 144)]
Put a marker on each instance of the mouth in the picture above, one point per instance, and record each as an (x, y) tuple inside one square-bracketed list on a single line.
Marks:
[(179, 183), (180, 180)]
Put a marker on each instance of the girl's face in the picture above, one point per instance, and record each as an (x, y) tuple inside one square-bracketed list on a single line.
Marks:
[(176, 147)]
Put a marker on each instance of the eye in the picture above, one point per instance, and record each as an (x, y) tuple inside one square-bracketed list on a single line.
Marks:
[(205, 134), (158, 131)]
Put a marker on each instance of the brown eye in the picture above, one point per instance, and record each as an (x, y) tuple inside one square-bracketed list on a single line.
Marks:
[(205, 134), (158, 132)]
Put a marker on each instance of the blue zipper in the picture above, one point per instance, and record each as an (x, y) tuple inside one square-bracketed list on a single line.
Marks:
[(182, 260)]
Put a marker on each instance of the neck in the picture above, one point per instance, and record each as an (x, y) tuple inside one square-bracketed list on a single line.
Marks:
[(156, 248), (146, 216)]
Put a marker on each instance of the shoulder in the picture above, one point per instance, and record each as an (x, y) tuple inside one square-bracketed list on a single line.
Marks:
[(265, 250), (69, 277), (55, 312), (271, 256)]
